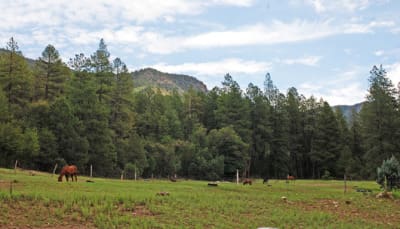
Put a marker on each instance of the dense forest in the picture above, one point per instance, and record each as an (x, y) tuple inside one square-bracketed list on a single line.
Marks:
[(85, 112)]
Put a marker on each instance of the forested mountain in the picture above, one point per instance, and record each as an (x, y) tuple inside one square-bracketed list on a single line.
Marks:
[(88, 113), (30, 61), (347, 110), (150, 77)]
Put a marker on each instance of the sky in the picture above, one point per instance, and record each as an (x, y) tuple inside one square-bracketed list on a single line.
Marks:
[(324, 48)]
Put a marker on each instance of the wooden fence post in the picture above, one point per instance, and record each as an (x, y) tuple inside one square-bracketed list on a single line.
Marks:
[(15, 166), (91, 171), (237, 176), (135, 173), (345, 183), (54, 170)]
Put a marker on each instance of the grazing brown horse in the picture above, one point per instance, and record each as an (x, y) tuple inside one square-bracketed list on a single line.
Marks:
[(69, 170), (289, 178), (247, 181)]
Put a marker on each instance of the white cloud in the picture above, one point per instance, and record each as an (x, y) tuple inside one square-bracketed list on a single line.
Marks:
[(246, 3), (379, 53), (322, 6), (393, 72), (349, 94), (366, 27), (260, 34), (23, 13), (343, 89), (217, 68), (84, 22), (306, 60)]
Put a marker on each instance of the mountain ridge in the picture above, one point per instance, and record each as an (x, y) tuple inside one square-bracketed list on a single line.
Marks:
[(150, 77), (347, 110)]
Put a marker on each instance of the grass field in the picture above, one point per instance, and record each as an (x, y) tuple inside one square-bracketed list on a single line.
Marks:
[(40, 201)]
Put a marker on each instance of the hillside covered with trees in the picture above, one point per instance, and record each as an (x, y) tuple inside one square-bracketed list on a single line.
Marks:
[(149, 77), (87, 113)]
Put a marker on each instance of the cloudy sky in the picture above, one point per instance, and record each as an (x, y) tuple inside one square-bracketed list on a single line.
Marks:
[(324, 48)]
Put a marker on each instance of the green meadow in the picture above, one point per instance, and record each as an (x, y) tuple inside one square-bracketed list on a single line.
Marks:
[(39, 201)]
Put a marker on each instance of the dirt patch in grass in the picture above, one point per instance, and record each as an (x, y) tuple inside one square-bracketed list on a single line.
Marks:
[(5, 185), (346, 210), (34, 214), (142, 210), (139, 210)]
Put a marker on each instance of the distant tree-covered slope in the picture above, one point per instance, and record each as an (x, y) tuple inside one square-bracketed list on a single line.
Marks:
[(348, 109), (31, 62), (150, 77)]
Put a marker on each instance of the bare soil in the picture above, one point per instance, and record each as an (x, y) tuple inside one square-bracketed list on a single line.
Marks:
[(347, 211)]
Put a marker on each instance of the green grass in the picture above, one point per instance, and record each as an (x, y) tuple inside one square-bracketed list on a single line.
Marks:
[(41, 201)]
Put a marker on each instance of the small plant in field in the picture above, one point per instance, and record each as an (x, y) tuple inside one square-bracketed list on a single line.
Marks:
[(388, 175), (327, 175)]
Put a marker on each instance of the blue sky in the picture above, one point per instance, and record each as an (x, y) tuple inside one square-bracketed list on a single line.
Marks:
[(324, 48)]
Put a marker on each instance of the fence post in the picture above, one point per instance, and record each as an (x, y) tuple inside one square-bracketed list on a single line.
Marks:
[(135, 173), (345, 183), (91, 171), (237, 176), (54, 170), (15, 166)]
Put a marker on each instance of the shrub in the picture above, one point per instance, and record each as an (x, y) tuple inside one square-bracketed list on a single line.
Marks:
[(391, 170), (327, 175)]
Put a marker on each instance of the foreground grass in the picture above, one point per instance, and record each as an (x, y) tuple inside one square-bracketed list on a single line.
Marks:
[(40, 201)]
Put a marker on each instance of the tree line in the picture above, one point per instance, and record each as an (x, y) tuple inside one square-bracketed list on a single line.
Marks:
[(85, 112)]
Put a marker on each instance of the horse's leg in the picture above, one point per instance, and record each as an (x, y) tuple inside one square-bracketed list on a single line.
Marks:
[(66, 177)]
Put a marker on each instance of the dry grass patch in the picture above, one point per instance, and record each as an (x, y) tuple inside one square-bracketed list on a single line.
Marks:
[(350, 211)]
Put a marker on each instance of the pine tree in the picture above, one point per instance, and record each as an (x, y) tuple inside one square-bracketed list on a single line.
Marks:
[(102, 68), (380, 121), (345, 164), (51, 75), (295, 146), (121, 103), (261, 128), (356, 146), (326, 143), (15, 78), (94, 128), (278, 158)]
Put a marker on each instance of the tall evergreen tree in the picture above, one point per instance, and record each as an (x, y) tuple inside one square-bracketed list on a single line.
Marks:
[(356, 146), (15, 78), (122, 114), (51, 75), (345, 164), (295, 146), (233, 109), (102, 68), (94, 117), (261, 128), (380, 121), (278, 158), (326, 144)]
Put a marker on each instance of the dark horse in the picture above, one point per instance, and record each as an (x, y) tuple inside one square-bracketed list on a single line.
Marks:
[(247, 181), (69, 170), (289, 178)]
